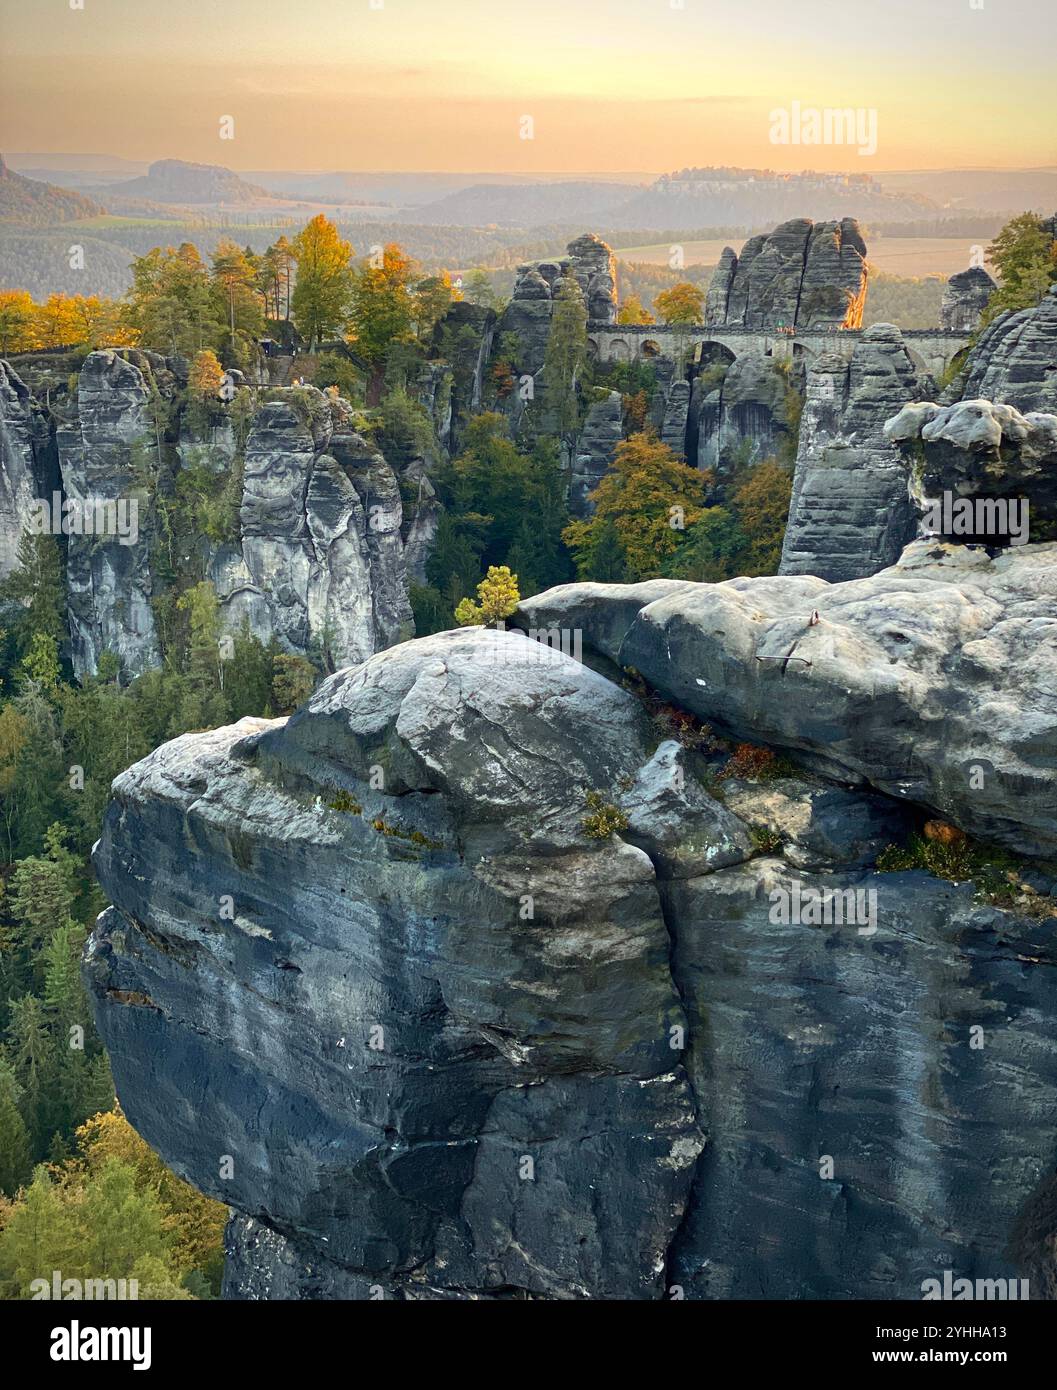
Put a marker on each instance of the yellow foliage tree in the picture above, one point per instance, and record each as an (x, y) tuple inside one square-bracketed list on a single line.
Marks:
[(19, 330), (194, 1224), (649, 499), (206, 376), (633, 311), (762, 505), (497, 597), (682, 304)]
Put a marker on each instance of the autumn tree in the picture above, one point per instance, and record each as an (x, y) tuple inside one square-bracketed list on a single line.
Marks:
[(683, 303), (235, 277), (433, 297), (633, 312), (171, 303), (206, 375), (649, 499), (497, 597), (19, 330), (383, 311), (275, 278), (322, 291), (761, 505)]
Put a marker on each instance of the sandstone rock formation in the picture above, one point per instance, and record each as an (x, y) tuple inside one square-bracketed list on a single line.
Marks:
[(745, 417), (20, 438), (108, 581), (1015, 359), (322, 554), (602, 431), (964, 299), (595, 268), (426, 1079), (907, 681), (803, 274), (318, 559), (676, 410), (455, 1047), (979, 448), (593, 265), (850, 513)]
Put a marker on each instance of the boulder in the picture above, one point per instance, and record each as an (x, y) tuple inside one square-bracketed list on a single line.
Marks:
[(935, 681), (981, 449), (424, 1013)]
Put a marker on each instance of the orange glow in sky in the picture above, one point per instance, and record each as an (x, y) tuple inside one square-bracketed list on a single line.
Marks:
[(611, 85)]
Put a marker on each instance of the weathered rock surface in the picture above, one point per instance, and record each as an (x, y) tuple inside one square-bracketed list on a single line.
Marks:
[(821, 826), (746, 418), (803, 274), (935, 681), (1015, 359), (591, 263), (850, 513), (717, 297), (980, 448), (816, 1043), (437, 1030), (20, 437), (108, 581), (965, 299), (676, 410), (511, 1028), (595, 268), (321, 545), (602, 431), (317, 561)]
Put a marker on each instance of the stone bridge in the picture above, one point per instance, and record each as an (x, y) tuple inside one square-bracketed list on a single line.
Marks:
[(932, 348)]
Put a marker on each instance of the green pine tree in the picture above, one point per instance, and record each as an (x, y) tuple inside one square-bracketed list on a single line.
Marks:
[(15, 1161)]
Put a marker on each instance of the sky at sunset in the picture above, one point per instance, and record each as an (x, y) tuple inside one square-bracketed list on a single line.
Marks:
[(610, 85)]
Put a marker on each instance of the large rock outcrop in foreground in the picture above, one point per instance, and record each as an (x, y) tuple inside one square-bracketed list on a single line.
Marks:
[(368, 979), (907, 680)]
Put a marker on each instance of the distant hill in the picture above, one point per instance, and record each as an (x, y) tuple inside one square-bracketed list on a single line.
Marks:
[(760, 197), (29, 202), (175, 181), (529, 205), (989, 190), (691, 198)]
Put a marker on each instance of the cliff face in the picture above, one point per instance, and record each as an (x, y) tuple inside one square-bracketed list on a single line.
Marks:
[(20, 437), (108, 578), (850, 513), (321, 555), (745, 417), (1015, 359), (874, 446), (451, 1045), (317, 557)]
